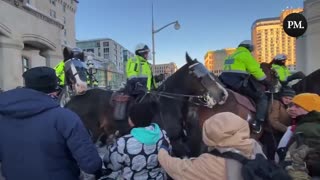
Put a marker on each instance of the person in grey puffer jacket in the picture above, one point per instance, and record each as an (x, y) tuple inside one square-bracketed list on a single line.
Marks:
[(135, 155)]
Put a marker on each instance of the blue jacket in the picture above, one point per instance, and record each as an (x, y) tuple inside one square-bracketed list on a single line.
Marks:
[(41, 140)]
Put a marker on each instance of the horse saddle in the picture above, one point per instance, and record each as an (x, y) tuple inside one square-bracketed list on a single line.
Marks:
[(244, 101), (119, 101)]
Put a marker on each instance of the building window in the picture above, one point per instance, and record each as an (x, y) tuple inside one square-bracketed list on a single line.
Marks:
[(53, 2), (52, 13), (90, 50), (64, 7), (98, 45), (105, 44), (64, 20), (25, 64), (28, 1), (106, 56), (65, 42), (106, 50), (65, 32)]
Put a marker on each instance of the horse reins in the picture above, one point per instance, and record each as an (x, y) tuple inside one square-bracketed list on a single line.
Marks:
[(177, 97)]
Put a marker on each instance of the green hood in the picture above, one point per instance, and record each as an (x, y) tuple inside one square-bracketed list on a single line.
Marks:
[(311, 117), (147, 135), (309, 125)]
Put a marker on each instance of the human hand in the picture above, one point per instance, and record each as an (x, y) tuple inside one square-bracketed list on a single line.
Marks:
[(299, 154), (291, 113)]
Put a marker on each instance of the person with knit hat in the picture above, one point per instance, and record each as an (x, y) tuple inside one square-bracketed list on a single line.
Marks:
[(278, 121), (305, 113), (224, 132), (134, 155), (38, 138), (305, 109)]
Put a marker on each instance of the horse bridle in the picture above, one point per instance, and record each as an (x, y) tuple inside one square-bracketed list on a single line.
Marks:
[(200, 72)]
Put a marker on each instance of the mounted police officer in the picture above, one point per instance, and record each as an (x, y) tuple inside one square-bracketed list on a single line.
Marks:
[(279, 66), (91, 79), (242, 73), (140, 80), (139, 72)]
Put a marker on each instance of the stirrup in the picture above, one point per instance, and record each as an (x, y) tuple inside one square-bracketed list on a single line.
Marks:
[(255, 131)]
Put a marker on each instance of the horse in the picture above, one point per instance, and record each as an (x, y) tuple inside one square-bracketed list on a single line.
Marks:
[(235, 103), (191, 84), (308, 84)]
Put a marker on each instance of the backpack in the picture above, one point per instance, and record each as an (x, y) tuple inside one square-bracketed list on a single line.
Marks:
[(257, 169)]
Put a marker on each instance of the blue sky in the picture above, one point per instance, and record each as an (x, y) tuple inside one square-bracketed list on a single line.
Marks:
[(205, 24)]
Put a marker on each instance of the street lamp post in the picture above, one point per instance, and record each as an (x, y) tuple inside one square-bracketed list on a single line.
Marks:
[(176, 26)]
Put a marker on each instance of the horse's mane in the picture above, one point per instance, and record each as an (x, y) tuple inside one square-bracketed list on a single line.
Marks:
[(308, 84), (175, 79)]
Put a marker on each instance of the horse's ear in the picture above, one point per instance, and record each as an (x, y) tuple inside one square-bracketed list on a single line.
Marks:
[(67, 53), (188, 58)]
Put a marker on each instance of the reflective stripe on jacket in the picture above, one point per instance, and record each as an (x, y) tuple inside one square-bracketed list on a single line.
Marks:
[(241, 61)]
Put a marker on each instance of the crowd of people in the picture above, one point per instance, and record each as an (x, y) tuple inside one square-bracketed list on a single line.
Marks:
[(41, 140)]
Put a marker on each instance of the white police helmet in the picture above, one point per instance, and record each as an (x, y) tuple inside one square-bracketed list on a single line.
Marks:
[(142, 48), (248, 44), (280, 57)]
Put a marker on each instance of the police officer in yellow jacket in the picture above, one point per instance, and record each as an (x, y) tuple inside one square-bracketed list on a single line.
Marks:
[(242, 73), (139, 72), (60, 72), (279, 65)]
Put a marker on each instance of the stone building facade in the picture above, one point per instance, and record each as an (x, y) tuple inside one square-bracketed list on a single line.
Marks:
[(33, 33)]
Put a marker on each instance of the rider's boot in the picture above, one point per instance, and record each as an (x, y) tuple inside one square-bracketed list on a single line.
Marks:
[(256, 126), (262, 108)]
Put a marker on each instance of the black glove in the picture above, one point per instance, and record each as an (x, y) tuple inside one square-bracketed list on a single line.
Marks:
[(267, 84), (159, 77), (297, 75), (282, 153)]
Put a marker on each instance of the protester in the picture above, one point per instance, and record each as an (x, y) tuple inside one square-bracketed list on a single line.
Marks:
[(305, 108), (134, 156), (278, 122), (38, 138), (305, 111), (224, 132)]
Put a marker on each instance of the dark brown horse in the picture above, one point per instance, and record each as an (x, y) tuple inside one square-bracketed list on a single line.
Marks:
[(309, 83), (191, 84), (236, 103)]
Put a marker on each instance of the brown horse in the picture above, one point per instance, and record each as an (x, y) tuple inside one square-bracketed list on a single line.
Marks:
[(191, 84), (236, 103)]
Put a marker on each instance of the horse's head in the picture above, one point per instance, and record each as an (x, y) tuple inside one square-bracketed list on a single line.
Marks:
[(75, 76), (196, 80), (202, 82), (69, 53)]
